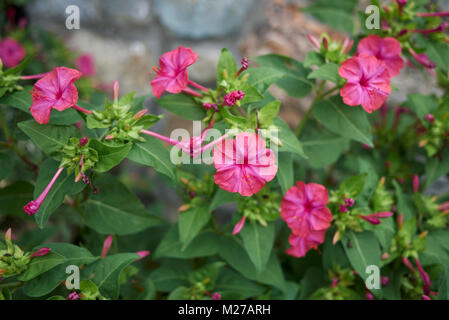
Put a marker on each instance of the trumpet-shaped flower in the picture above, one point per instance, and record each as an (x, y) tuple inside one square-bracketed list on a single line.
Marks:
[(244, 164)]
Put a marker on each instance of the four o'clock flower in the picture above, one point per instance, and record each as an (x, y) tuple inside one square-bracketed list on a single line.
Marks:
[(11, 52), (387, 50), (33, 206), (300, 244), (85, 64), (244, 164), (172, 73), (56, 90), (41, 252), (368, 82), (304, 208)]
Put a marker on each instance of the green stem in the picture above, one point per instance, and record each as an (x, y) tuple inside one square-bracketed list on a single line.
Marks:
[(304, 119), (15, 284), (4, 126)]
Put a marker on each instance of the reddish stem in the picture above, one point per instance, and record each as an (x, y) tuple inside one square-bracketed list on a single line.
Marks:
[(82, 109), (35, 76), (198, 86)]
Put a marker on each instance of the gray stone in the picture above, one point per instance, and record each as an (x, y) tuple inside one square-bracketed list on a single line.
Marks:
[(130, 11), (196, 19), (40, 10)]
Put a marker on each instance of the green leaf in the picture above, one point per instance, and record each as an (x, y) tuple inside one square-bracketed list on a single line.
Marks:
[(152, 153), (47, 272), (6, 165), (437, 52), (326, 72), (258, 242), (14, 197), (191, 222), (294, 80), (232, 251), (443, 292), (168, 277), (50, 138), (109, 156), (268, 113), (353, 186), (436, 168), (226, 62), (20, 100), (437, 249), (404, 202), (232, 286), (314, 58), (349, 122), (285, 175), (105, 273), (290, 142), (364, 251), (262, 78), (64, 185), (221, 197), (182, 105), (322, 147), (205, 244), (422, 104), (252, 95), (336, 14), (116, 210)]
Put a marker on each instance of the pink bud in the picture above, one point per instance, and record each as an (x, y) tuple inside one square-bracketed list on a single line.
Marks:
[(239, 226), (408, 264), (382, 214), (325, 43), (334, 282), (369, 296), (115, 90), (314, 41), (140, 114), (400, 220), (73, 296), (349, 202), (347, 45), (245, 62), (424, 276), (370, 219), (385, 281), (216, 296), (8, 235), (106, 246), (429, 117), (41, 252), (415, 183), (142, 254), (83, 141), (425, 297), (109, 137), (343, 208)]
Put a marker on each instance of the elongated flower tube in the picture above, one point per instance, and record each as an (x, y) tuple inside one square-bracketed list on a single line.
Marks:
[(424, 276), (33, 206), (433, 14), (440, 28), (422, 59), (415, 183), (193, 147), (374, 218)]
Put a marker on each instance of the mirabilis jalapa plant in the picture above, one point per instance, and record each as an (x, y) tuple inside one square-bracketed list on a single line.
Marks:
[(292, 209)]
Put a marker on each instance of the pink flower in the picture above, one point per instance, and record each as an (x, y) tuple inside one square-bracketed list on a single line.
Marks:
[(239, 226), (33, 206), (73, 296), (216, 296), (172, 73), (387, 50), (301, 244), (56, 90), (368, 82), (41, 252), (106, 246), (244, 165), (304, 208), (85, 64), (11, 52), (415, 183)]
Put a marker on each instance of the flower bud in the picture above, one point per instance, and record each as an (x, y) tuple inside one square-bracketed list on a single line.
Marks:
[(385, 256), (184, 207), (239, 226), (41, 252), (83, 141), (140, 114), (216, 296), (73, 296), (142, 254), (115, 90), (369, 296), (415, 183), (106, 246), (385, 281)]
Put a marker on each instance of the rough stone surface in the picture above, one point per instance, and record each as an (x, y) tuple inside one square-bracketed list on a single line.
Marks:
[(197, 19), (128, 12), (55, 9)]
